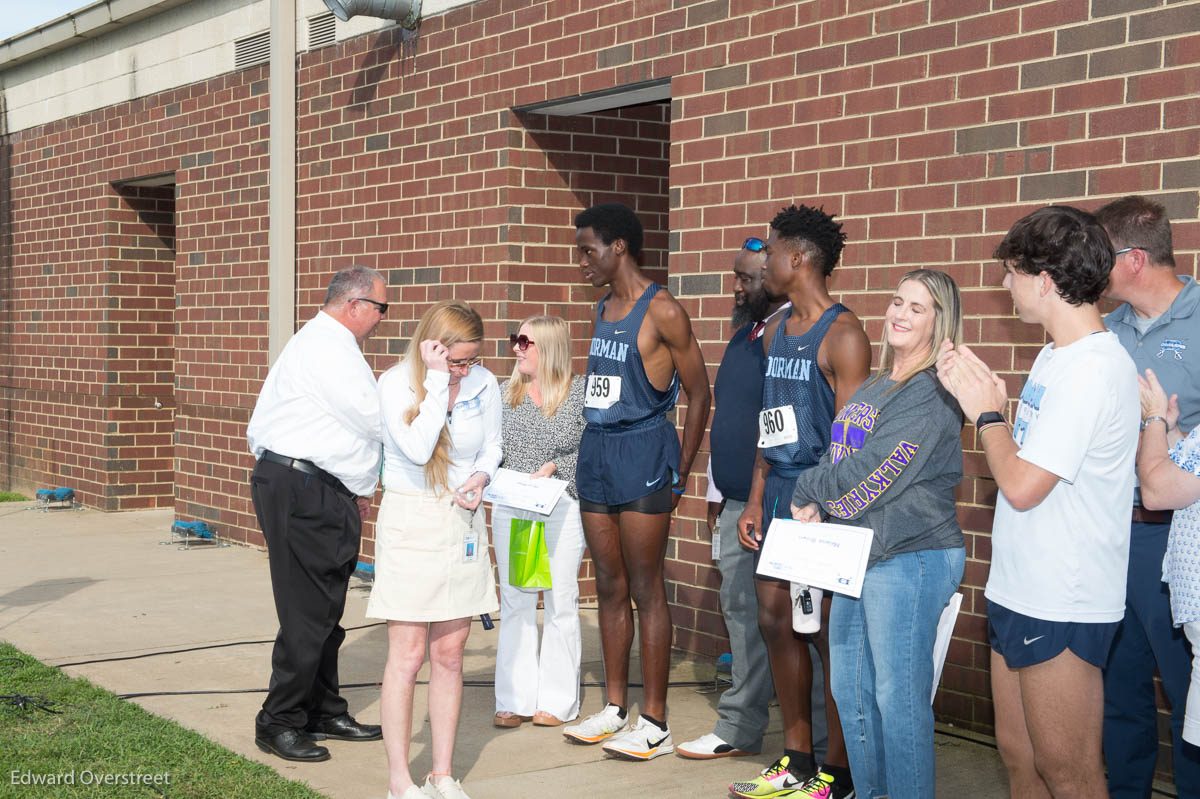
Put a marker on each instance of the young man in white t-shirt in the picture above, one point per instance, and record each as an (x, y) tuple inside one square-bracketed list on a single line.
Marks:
[(1060, 540)]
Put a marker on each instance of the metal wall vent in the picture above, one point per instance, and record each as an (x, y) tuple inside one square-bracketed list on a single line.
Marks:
[(252, 50), (322, 30)]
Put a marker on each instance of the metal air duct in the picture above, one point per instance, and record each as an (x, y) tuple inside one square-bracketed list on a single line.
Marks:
[(407, 13)]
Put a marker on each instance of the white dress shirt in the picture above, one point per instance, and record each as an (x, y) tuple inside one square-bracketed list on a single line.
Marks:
[(320, 403), (475, 439)]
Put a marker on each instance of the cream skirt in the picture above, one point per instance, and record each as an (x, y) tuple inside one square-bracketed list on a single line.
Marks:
[(420, 574)]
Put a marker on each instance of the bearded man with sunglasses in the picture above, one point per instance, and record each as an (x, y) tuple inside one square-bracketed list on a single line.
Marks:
[(316, 435)]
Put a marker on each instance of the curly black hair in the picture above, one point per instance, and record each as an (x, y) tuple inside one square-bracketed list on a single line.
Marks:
[(801, 225), (1066, 243), (612, 221)]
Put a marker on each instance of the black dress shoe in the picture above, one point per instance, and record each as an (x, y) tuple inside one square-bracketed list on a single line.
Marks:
[(344, 728), (292, 745)]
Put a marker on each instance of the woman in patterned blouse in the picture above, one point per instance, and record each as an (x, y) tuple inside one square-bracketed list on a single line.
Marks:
[(1170, 479), (542, 415)]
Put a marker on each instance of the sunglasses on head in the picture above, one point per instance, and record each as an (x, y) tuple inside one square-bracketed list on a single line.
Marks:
[(521, 342), (753, 245)]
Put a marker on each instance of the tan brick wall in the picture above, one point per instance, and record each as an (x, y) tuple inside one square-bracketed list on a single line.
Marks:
[(928, 125)]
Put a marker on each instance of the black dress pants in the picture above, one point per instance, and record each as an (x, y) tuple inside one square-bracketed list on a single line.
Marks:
[(312, 533)]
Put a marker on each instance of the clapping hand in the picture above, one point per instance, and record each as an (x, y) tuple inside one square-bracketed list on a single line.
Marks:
[(976, 387), (1155, 401)]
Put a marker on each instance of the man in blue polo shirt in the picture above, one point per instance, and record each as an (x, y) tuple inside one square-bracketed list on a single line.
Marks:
[(1158, 324)]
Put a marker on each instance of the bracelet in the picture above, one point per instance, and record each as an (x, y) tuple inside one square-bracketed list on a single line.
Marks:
[(678, 490), (1150, 419), (989, 426)]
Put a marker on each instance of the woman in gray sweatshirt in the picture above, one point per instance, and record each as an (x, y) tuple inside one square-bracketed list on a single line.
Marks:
[(893, 464)]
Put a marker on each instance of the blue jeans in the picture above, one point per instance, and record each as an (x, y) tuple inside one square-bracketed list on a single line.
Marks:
[(882, 651)]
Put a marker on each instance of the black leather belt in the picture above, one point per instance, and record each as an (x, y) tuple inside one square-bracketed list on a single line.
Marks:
[(308, 467), (1147, 516)]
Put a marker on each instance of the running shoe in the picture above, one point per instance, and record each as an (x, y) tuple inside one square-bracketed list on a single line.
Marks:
[(598, 726), (825, 786), (447, 788), (645, 741), (775, 780), (708, 747)]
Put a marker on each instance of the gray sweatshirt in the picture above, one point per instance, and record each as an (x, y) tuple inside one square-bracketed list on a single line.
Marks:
[(893, 464)]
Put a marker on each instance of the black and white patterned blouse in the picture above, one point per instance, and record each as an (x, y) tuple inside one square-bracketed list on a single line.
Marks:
[(531, 439)]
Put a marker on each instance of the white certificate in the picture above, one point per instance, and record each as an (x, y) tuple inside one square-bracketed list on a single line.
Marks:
[(519, 490), (941, 645), (829, 556)]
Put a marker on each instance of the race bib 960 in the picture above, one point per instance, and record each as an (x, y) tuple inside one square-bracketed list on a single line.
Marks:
[(777, 426)]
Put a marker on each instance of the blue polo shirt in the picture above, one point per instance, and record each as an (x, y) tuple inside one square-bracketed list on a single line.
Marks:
[(1171, 347)]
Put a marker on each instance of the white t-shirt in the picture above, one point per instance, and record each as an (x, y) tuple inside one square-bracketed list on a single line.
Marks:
[(320, 403), (475, 438), (1066, 558)]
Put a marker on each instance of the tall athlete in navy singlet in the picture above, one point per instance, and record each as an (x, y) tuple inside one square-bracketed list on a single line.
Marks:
[(632, 470), (817, 356)]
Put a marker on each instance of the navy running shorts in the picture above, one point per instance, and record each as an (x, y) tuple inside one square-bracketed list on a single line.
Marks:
[(620, 464), (1025, 641)]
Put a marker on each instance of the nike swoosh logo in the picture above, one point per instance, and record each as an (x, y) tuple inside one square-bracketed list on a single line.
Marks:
[(1029, 641), (652, 482), (802, 349), (789, 782), (658, 743), (618, 332)]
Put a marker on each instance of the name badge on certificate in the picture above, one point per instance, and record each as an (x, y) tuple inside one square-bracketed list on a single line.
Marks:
[(603, 391), (777, 426)]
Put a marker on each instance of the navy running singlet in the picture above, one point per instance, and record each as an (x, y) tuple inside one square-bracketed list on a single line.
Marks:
[(795, 392), (617, 390)]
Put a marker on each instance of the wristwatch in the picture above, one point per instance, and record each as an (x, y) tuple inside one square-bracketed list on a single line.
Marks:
[(989, 417), (1150, 419)]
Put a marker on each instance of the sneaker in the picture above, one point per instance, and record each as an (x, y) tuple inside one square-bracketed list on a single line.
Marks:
[(447, 788), (824, 786), (707, 747), (597, 727), (645, 741), (775, 780)]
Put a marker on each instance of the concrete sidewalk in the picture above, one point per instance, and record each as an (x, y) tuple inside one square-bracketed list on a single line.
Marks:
[(78, 586)]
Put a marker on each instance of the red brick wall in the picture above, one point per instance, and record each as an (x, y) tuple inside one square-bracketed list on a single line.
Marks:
[(928, 125)]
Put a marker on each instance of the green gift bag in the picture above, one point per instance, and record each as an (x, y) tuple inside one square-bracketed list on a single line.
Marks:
[(528, 560)]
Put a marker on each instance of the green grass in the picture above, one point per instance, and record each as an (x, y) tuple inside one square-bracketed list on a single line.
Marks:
[(12, 496), (95, 736)]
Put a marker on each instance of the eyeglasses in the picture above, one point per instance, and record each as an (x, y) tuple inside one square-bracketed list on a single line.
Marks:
[(381, 306), (753, 245), (1124, 250), (464, 363), (521, 342)]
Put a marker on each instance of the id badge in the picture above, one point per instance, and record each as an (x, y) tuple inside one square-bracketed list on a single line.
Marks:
[(777, 426), (603, 391), (716, 542), (470, 547)]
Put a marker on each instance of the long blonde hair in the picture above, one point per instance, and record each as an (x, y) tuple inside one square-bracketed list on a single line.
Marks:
[(947, 322), (450, 322), (552, 338)]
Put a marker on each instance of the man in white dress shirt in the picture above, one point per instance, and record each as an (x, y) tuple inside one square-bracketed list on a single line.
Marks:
[(316, 435)]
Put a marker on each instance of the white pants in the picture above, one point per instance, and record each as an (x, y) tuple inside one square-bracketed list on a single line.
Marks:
[(1191, 717), (527, 682)]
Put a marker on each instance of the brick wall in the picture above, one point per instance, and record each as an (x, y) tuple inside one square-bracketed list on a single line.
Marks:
[(928, 125)]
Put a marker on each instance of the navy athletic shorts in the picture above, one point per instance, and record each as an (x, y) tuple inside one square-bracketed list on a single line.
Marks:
[(1025, 641), (620, 464), (777, 504)]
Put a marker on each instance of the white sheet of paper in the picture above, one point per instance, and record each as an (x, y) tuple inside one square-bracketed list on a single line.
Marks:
[(519, 490), (941, 645), (829, 556)]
